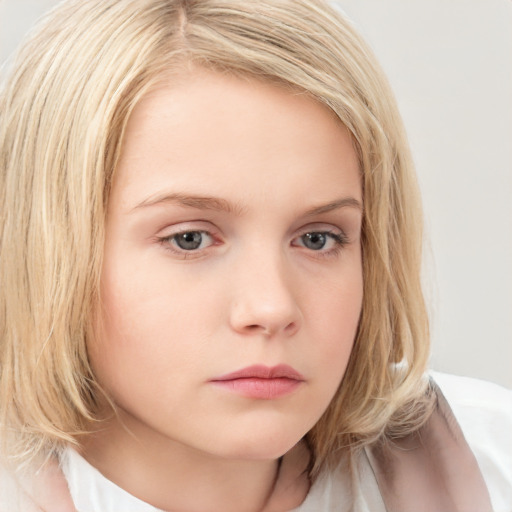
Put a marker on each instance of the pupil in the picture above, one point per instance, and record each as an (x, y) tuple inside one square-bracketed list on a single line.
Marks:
[(315, 241), (189, 241)]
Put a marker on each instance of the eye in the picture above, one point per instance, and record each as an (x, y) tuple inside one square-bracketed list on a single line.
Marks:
[(324, 241), (314, 241), (189, 240)]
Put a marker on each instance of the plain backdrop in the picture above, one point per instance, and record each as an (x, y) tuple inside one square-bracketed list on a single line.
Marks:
[(450, 64)]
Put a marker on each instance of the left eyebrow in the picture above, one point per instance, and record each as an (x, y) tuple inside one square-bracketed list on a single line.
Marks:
[(343, 202)]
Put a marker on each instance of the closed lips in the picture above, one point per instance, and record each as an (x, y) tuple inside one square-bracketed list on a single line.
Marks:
[(281, 371), (261, 382)]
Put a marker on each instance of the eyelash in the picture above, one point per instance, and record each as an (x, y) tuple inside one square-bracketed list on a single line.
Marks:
[(169, 243), (340, 241)]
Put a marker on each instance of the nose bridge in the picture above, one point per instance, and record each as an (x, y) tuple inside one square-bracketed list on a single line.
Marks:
[(264, 299)]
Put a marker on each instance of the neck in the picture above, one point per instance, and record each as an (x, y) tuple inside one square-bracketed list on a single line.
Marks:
[(173, 476)]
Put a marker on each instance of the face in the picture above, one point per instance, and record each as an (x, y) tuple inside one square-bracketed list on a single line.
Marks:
[(232, 278)]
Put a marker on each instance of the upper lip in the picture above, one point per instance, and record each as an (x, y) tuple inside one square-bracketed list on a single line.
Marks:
[(258, 371)]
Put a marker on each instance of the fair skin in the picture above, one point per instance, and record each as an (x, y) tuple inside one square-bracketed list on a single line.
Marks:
[(232, 240)]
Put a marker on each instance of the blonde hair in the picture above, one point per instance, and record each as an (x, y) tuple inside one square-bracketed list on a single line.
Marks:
[(63, 112)]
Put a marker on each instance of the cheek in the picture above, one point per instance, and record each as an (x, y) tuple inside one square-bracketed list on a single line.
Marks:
[(335, 314), (335, 305), (149, 324), (332, 319)]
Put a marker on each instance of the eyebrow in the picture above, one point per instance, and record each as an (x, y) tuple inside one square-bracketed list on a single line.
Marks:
[(222, 205), (198, 202), (343, 202)]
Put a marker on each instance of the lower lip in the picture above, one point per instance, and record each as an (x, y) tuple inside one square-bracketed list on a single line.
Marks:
[(262, 389)]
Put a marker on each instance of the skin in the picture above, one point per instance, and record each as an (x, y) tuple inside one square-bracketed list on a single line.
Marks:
[(279, 166)]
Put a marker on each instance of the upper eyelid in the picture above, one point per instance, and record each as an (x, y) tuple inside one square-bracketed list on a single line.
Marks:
[(188, 226), (322, 228)]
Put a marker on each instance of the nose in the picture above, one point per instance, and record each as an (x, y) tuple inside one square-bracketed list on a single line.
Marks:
[(264, 301)]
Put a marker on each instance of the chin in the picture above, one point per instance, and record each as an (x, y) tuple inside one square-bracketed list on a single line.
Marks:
[(260, 444), (270, 452)]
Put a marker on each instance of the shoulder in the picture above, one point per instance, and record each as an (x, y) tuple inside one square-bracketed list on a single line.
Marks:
[(484, 413), (34, 489), (12, 498)]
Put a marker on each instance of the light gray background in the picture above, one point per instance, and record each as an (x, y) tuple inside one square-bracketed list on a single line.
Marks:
[(450, 64)]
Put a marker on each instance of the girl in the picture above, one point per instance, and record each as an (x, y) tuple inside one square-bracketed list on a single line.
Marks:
[(210, 259)]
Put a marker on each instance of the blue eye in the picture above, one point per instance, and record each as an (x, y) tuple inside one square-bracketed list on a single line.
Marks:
[(314, 241), (321, 241), (190, 240)]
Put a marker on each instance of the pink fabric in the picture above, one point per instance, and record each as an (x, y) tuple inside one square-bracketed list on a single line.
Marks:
[(433, 470), (46, 491)]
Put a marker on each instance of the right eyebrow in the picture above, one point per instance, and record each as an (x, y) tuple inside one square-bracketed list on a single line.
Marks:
[(191, 201)]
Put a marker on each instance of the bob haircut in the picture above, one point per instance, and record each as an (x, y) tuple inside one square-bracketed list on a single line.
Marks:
[(63, 112)]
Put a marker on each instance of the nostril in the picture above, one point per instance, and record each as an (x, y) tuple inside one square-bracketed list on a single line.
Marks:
[(258, 329), (290, 327), (269, 330)]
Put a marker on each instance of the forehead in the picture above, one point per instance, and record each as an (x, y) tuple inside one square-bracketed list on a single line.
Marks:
[(211, 130)]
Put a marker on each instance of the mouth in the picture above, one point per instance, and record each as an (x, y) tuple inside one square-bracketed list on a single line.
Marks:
[(261, 382)]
